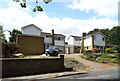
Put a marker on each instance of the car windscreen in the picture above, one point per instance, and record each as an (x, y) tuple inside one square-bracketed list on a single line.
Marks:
[(53, 47)]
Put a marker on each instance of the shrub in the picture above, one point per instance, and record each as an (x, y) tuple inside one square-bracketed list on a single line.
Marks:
[(87, 52), (104, 55), (95, 50), (12, 48), (117, 55), (108, 50), (91, 57), (103, 60), (114, 60), (117, 48)]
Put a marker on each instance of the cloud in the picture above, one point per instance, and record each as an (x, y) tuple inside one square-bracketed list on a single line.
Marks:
[(107, 8), (16, 18)]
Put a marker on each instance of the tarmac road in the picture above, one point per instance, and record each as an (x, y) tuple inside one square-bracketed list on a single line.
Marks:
[(103, 74)]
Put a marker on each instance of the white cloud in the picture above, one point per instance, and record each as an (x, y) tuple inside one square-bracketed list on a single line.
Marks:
[(16, 18), (108, 8)]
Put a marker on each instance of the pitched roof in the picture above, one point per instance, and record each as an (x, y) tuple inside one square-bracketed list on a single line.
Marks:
[(31, 25), (45, 33), (95, 33), (79, 37)]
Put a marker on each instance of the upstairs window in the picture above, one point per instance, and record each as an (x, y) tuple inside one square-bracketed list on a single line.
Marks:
[(59, 38), (103, 39), (76, 39)]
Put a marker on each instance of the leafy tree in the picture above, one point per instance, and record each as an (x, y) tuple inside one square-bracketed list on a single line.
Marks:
[(4, 38), (36, 8), (13, 33), (115, 36), (90, 32)]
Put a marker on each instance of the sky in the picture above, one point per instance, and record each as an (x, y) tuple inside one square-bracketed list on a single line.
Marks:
[(68, 17)]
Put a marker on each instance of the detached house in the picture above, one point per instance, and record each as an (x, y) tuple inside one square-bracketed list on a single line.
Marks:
[(74, 44), (59, 39), (95, 40), (31, 29)]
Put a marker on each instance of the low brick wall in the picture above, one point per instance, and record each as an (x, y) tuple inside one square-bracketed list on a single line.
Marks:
[(29, 66)]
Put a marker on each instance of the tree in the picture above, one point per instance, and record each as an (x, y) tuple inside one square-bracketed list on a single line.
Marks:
[(90, 32), (115, 36), (12, 34), (4, 38), (36, 8)]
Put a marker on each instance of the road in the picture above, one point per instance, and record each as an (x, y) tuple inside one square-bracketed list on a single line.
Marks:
[(103, 74)]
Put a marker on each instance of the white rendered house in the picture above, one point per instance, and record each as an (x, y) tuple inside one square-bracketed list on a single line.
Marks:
[(31, 29), (74, 43), (95, 40)]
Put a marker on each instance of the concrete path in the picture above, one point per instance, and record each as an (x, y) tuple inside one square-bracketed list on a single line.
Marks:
[(89, 64)]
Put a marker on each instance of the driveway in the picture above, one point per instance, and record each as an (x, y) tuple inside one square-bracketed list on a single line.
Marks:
[(89, 64)]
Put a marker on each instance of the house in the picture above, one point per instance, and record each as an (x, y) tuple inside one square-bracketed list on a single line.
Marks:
[(94, 40), (77, 44), (31, 29), (74, 43), (59, 39)]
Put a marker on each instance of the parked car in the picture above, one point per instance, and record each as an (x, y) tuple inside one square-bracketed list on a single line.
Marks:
[(52, 51)]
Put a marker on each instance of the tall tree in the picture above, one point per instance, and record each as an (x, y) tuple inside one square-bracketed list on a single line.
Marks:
[(4, 38), (115, 36), (12, 34)]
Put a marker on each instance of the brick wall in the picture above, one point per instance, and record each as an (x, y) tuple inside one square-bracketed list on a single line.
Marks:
[(29, 66), (30, 45)]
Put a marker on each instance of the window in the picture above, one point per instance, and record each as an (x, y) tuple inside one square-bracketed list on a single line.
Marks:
[(94, 37), (103, 39), (76, 39), (48, 36), (87, 47), (59, 38)]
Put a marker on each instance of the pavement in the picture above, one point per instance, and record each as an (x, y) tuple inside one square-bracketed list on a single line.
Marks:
[(90, 67)]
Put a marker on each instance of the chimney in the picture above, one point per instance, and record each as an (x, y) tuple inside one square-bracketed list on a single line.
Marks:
[(53, 37), (84, 34)]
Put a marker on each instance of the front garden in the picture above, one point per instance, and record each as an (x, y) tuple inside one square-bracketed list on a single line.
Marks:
[(109, 57)]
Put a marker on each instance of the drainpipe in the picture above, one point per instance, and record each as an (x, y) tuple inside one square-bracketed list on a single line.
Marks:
[(53, 37), (92, 42)]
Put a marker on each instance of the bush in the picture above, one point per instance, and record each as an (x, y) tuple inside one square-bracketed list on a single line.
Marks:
[(91, 57), (117, 55), (104, 55), (114, 60), (103, 60), (111, 50), (11, 48), (95, 50), (108, 50), (117, 48), (87, 52)]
